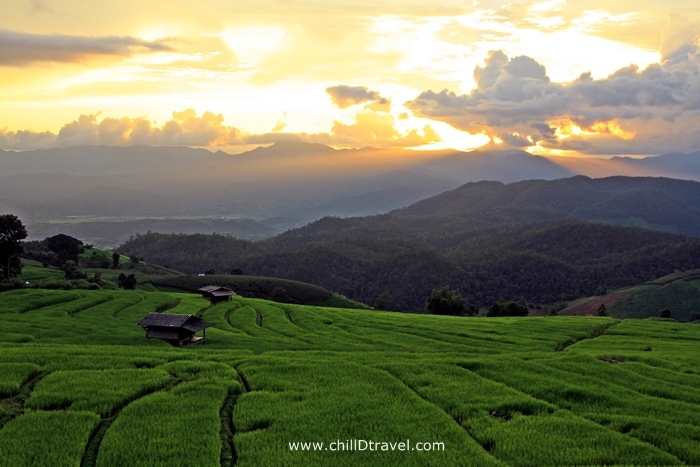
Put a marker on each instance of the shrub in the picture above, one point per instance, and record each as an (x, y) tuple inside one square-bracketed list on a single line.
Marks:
[(508, 308), (447, 302)]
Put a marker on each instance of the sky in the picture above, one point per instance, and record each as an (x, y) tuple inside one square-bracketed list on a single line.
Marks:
[(554, 77)]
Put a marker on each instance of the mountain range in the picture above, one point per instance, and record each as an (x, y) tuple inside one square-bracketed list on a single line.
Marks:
[(275, 188), (544, 241)]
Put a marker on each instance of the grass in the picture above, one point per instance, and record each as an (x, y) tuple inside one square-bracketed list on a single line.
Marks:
[(259, 287), (12, 375), (172, 428), (47, 439), (681, 297), (520, 392), (679, 292), (98, 391)]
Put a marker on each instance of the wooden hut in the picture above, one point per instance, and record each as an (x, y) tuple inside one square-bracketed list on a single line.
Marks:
[(177, 330), (216, 294)]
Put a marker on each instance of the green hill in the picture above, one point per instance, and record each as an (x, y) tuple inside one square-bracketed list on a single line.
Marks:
[(81, 385), (679, 292), (362, 258), (269, 288), (658, 203), (152, 278)]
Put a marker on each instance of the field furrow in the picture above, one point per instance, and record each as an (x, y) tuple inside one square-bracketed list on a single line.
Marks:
[(516, 392)]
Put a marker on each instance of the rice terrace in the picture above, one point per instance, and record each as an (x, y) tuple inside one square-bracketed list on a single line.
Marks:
[(82, 386)]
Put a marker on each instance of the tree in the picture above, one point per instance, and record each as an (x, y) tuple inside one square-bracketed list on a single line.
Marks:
[(237, 272), (504, 307), (665, 313), (72, 270), (66, 248), (12, 232), (602, 310), (96, 278), (383, 300), (447, 302), (126, 282), (115, 260)]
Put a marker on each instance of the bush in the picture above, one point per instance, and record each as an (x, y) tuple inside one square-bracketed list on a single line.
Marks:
[(72, 270), (602, 310), (383, 300), (508, 308), (13, 284), (126, 282), (447, 302), (665, 313)]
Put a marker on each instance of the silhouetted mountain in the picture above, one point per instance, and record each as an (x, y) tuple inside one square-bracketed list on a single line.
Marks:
[(107, 160), (507, 166), (111, 201), (684, 165), (45, 187), (287, 185), (674, 165)]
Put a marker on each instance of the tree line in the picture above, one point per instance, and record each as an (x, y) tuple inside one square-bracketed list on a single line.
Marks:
[(541, 262)]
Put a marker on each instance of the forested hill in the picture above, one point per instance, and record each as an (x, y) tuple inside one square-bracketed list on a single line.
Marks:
[(487, 239), (658, 203)]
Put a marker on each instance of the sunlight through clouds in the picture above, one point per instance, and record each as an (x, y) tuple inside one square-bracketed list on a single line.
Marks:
[(252, 64), (252, 44)]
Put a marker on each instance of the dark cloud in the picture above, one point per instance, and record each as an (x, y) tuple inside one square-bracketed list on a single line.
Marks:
[(626, 109), (545, 131), (346, 96), (486, 77), (515, 140), (18, 49)]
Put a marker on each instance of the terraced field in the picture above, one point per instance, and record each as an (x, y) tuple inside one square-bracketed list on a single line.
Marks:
[(81, 386)]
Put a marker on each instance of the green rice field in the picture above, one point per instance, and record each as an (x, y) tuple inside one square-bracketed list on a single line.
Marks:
[(290, 385)]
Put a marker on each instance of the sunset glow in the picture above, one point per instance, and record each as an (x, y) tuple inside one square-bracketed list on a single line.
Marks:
[(264, 69)]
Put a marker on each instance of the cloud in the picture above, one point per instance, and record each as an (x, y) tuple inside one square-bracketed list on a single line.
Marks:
[(41, 5), (679, 37), (370, 128), (184, 129), (25, 139), (346, 96), (378, 129), (656, 109), (20, 49)]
